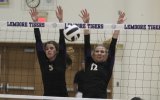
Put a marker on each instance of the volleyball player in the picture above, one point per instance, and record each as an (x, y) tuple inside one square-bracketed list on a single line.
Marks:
[(98, 64), (52, 59), (79, 81)]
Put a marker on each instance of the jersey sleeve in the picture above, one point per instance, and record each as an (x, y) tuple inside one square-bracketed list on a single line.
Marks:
[(87, 47), (39, 48), (39, 45), (62, 47), (111, 53)]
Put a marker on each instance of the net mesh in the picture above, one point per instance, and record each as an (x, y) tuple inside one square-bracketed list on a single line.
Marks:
[(137, 65), (136, 70)]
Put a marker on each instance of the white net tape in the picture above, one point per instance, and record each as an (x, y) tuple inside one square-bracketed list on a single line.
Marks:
[(81, 25), (29, 97)]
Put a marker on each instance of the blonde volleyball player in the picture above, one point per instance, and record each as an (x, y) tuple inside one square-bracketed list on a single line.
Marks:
[(98, 64), (52, 59)]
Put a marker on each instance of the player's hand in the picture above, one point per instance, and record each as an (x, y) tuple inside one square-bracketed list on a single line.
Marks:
[(59, 13), (34, 14), (85, 16), (121, 17)]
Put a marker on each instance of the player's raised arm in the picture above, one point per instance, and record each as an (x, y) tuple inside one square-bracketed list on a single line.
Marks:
[(85, 16), (120, 21)]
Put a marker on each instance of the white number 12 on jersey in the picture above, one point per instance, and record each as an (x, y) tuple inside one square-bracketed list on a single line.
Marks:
[(94, 67)]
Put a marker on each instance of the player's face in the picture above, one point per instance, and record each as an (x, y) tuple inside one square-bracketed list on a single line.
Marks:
[(50, 51), (100, 54)]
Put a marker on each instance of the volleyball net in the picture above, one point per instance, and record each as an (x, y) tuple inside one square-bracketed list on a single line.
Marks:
[(30, 97), (136, 69)]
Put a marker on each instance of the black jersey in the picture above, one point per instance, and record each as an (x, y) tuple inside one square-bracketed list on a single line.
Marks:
[(98, 74), (79, 80), (53, 73)]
